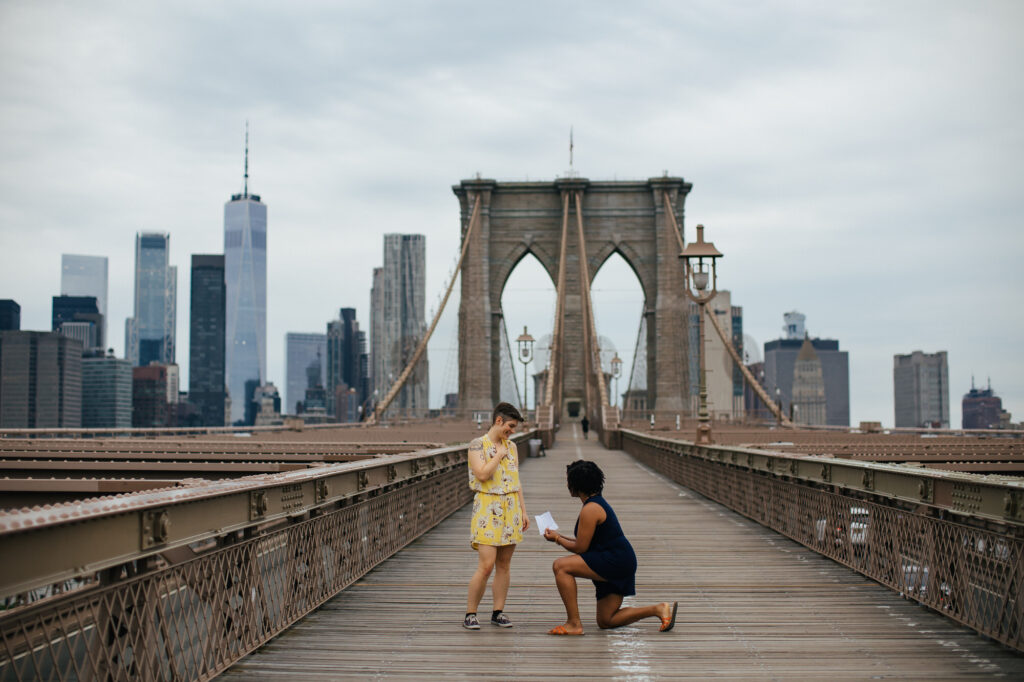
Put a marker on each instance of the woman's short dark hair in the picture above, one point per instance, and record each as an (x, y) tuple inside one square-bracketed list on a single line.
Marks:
[(584, 477), (506, 411)]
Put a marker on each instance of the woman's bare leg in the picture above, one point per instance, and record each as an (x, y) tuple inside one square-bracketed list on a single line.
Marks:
[(486, 555), (566, 570), (502, 575), (610, 615)]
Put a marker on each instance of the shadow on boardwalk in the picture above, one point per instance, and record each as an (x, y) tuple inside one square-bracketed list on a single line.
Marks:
[(752, 604)]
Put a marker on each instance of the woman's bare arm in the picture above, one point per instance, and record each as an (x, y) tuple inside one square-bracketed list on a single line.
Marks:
[(482, 469), (590, 516)]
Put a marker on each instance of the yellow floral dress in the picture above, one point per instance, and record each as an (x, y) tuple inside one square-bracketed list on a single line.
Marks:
[(497, 514)]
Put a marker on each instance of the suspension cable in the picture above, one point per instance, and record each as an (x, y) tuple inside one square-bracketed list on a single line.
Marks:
[(552, 391), (588, 306)]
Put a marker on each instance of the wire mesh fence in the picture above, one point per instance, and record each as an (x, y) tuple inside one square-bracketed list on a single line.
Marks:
[(152, 621), (973, 574)]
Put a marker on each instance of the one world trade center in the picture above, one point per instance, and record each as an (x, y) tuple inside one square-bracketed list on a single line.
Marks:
[(245, 272)]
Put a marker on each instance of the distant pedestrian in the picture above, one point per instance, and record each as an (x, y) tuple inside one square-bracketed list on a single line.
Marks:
[(600, 552), (585, 423), (499, 513)]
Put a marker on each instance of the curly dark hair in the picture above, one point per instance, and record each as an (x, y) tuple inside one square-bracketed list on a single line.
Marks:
[(507, 412), (585, 477)]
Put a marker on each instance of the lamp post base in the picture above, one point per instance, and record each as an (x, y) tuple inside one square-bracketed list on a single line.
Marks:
[(704, 434)]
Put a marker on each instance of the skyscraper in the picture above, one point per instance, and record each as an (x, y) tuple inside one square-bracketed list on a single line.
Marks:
[(149, 396), (921, 389), (79, 317), (377, 375), (724, 379), (982, 408), (780, 358), (808, 387), (207, 324), (106, 393), (399, 313), (301, 351), (86, 276), (345, 346), (10, 315), (40, 380), (150, 334), (245, 269)]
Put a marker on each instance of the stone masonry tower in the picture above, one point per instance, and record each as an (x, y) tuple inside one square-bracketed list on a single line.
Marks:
[(517, 218)]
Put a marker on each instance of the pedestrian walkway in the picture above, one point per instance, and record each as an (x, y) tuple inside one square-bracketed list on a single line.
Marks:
[(752, 604)]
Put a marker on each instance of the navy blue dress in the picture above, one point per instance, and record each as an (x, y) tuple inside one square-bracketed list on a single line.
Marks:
[(610, 555)]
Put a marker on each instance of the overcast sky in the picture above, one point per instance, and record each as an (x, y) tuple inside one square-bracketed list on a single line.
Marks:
[(858, 162)]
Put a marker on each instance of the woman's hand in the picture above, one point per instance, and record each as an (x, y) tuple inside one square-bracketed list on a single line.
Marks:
[(550, 534)]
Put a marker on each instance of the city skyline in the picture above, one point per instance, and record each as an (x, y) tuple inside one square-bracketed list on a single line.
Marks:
[(843, 159)]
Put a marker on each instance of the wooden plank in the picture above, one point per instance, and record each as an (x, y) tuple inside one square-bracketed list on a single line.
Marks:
[(752, 604)]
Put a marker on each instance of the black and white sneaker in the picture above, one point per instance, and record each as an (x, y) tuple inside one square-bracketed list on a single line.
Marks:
[(501, 620), (471, 623)]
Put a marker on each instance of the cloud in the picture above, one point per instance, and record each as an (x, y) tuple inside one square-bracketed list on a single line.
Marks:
[(860, 163)]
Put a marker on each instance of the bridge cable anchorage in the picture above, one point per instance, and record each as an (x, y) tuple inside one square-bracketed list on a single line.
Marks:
[(590, 329), (753, 382), (379, 408)]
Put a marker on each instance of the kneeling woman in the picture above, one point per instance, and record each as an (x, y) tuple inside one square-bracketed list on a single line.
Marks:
[(603, 554)]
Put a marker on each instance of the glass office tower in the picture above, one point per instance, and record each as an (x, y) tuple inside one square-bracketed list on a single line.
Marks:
[(206, 338), (301, 351), (86, 276), (150, 335), (245, 272)]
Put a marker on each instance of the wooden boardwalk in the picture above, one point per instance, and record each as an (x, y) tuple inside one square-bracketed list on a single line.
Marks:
[(752, 605)]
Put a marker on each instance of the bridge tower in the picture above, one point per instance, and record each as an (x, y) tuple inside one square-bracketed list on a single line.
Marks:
[(556, 221)]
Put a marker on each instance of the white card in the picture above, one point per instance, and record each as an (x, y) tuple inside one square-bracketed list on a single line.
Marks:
[(545, 521)]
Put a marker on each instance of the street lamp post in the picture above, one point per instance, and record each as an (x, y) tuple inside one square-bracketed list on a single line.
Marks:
[(525, 343), (616, 372), (696, 284)]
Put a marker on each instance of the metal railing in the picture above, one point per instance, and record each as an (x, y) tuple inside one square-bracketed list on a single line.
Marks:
[(180, 583), (951, 541)]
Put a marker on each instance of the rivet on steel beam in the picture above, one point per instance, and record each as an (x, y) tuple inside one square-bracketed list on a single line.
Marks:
[(156, 528), (322, 490), (162, 527), (924, 489), (794, 467), (257, 503), (868, 479), (392, 472)]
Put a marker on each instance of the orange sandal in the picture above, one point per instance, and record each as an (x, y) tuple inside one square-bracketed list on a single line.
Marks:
[(560, 630), (668, 622)]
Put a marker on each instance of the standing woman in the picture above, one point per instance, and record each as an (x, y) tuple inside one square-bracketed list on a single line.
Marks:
[(601, 553), (499, 512)]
